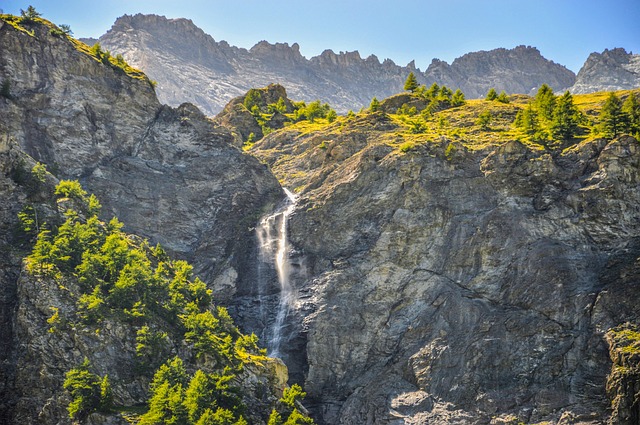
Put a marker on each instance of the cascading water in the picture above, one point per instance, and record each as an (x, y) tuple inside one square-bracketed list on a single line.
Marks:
[(274, 249)]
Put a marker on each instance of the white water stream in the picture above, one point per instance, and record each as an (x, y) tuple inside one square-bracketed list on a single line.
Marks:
[(274, 248)]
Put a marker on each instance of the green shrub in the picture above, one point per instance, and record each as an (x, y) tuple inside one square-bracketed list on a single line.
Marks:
[(484, 120), (70, 189), (88, 391), (374, 105), (407, 146)]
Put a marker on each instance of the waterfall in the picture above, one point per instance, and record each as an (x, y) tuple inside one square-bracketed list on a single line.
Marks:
[(274, 249)]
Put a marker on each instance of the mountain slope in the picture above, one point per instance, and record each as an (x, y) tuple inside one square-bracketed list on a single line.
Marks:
[(191, 66)]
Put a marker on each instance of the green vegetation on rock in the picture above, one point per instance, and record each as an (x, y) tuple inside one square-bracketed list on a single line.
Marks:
[(117, 278), (89, 392), (624, 380)]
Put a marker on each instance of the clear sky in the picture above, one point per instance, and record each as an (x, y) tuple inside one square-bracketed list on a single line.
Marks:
[(564, 31)]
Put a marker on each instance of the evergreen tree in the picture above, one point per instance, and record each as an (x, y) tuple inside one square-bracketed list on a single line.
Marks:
[(545, 102), (484, 119), (502, 97), (527, 120), (445, 93), (564, 124), (252, 98), (281, 106), (612, 120), (458, 98), (30, 14), (89, 392), (491, 94), (631, 108), (411, 84), (314, 110), (433, 91), (374, 105)]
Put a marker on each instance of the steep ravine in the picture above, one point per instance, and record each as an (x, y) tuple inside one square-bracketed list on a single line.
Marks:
[(455, 286)]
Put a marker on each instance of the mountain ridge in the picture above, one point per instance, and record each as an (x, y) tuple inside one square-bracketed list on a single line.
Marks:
[(346, 80)]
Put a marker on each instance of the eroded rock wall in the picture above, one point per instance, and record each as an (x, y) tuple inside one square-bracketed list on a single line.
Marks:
[(452, 286)]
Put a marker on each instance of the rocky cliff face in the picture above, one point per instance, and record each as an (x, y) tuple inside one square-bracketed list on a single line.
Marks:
[(171, 174), (446, 285), (437, 284), (608, 71), (190, 66)]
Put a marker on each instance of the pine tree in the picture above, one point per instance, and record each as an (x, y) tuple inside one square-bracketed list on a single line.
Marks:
[(484, 119), (527, 120), (445, 93), (545, 102), (612, 120), (30, 14), (458, 98), (502, 97), (564, 124), (491, 94), (374, 105), (631, 109), (433, 91), (411, 84)]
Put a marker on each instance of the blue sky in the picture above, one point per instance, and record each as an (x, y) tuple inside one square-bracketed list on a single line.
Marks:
[(564, 31)]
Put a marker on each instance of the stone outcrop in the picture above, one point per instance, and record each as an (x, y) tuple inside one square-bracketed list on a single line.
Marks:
[(623, 383), (608, 71), (191, 66), (446, 285), (241, 122)]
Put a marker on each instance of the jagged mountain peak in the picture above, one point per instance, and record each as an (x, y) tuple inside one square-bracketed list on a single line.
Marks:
[(218, 72), (150, 21), (614, 69)]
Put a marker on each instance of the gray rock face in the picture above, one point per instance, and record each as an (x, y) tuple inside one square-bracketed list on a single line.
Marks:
[(191, 66), (608, 71), (170, 174), (457, 288), (519, 70)]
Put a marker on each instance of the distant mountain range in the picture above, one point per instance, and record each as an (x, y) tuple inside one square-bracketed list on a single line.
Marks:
[(190, 66)]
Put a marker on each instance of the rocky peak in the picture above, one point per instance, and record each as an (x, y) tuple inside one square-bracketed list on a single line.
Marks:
[(278, 52), (610, 70), (518, 70), (179, 37), (157, 24)]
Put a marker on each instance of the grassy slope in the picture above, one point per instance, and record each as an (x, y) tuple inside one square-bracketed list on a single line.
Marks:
[(298, 151)]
